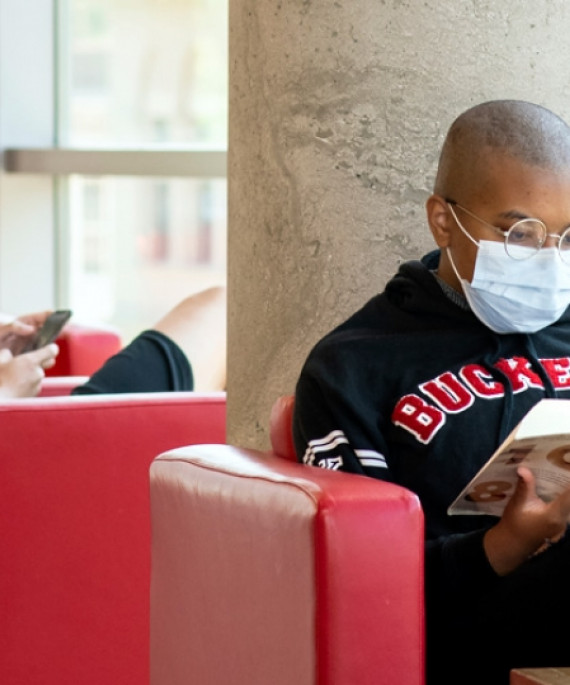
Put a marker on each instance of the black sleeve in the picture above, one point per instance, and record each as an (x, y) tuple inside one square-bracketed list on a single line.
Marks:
[(329, 432), (152, 362)]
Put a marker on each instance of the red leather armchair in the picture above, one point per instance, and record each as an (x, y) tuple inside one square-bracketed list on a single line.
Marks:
[(267, 571), (75, 530)]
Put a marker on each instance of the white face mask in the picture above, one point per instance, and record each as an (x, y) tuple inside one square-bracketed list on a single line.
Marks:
[(516, 296)]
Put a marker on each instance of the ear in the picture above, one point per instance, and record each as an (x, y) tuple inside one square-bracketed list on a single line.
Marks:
[(439, 220)]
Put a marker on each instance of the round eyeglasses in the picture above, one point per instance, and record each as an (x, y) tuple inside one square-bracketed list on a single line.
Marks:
[(524, 238)]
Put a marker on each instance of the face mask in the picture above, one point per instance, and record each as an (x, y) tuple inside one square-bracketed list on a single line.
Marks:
[(516, 296)]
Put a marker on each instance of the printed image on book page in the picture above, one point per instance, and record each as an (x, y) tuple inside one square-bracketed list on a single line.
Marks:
[(541, 442)]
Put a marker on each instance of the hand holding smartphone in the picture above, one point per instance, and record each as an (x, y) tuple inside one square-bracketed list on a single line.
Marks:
[(49, 331)]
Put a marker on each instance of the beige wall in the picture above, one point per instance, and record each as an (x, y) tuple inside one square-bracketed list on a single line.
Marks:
[(337, 113)]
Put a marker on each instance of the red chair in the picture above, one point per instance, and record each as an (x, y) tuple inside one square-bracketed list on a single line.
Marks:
[(75, 530), (280, 427), (267, 571), (83, 349)]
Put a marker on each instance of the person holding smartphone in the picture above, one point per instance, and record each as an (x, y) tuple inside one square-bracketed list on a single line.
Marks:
[(21, 374), (185, 350)]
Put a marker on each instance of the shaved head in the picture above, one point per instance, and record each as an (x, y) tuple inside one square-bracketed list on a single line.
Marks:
[(520, 130)]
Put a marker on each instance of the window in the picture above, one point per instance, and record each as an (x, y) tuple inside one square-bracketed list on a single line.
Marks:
[(144, 71), (136, 182)]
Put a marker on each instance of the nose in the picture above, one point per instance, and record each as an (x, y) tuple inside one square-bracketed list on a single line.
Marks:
[(552, 240)]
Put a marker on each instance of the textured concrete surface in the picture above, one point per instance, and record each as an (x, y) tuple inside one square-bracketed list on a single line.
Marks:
[(337, 113)]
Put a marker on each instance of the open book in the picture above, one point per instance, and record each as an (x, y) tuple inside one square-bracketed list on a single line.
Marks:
[(541, 441)]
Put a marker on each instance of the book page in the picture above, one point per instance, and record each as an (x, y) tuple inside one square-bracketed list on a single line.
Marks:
[(542, 443), (547, 417)]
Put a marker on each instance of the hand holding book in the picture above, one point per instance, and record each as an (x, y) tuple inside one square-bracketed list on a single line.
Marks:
[(528, 526), (540, 442), (526, 483)]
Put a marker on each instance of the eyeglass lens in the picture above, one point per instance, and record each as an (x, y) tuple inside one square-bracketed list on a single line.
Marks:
[(526, 237)]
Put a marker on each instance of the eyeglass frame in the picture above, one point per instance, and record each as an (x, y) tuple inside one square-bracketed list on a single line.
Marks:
[(505, 234)]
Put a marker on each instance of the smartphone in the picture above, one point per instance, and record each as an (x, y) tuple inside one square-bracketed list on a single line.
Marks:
[(48, 332)]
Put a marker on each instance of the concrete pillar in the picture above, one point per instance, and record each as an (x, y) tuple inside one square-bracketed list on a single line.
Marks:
[(337, 113)]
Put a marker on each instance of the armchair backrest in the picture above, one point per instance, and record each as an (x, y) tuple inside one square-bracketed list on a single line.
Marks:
[(75, 530), (266, 571), (280, 427), (84, 349)]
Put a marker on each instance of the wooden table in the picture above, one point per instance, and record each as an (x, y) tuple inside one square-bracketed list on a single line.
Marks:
[(540, 676)]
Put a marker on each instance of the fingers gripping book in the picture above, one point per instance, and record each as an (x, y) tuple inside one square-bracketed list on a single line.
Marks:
[(541, 441)]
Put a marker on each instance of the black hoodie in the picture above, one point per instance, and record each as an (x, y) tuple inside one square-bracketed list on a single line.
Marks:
[(414, 389)]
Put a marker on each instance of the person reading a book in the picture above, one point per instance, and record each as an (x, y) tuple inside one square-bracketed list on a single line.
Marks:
[(426, 380)]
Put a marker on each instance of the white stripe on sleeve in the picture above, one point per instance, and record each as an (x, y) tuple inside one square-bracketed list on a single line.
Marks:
[(326, 444), (371, 458)]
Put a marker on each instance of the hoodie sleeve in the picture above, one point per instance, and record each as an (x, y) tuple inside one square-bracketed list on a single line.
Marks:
[(456, 565), (330, 432)]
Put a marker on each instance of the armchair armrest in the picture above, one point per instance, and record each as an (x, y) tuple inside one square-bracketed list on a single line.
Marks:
[(55, 386), (268, 571)]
